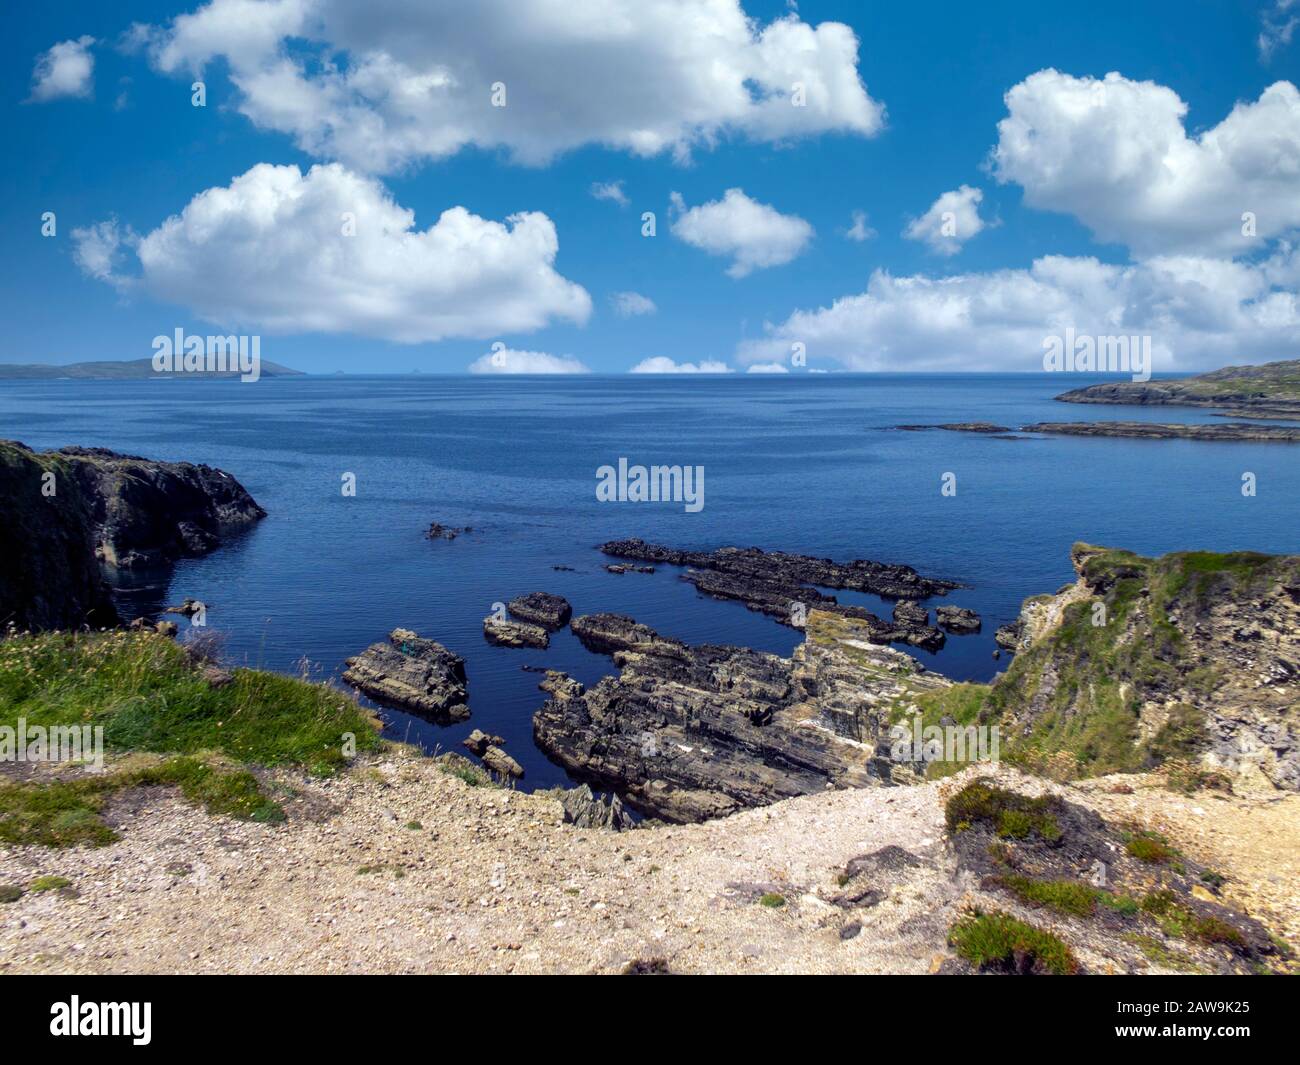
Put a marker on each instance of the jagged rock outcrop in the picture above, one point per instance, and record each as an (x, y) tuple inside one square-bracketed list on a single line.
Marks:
[(686, 733), (68, 512), (1190, 657), (584, 809), (144, 512), (412, 673), (506, 633), (541, 608), (957, 619)]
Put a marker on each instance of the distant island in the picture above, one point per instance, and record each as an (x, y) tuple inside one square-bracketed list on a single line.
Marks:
[(1272, 389), (118, 370)]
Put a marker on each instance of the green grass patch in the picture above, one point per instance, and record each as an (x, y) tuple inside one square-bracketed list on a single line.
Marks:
[(1150, 847), (1013, 816), (1177, 919), (68, 813), (1002, 941), (147, 694), (49, 883), (772, 900)]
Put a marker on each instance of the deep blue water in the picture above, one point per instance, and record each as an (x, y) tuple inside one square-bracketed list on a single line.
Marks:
[(806, 463)]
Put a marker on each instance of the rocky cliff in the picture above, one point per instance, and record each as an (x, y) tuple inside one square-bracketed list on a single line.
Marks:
[(1189, 657), (48, 575), (69, 512)]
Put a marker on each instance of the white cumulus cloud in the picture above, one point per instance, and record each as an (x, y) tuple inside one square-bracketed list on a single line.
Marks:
[(66, 69), (330, 251), (1116, 154), (755, 235), (383, 85), (767, 367), (663, 364), (632, 304), (509, 360), (1199, 312), (952, 219)]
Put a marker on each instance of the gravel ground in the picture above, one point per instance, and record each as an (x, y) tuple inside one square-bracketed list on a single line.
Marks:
[(398, 867)]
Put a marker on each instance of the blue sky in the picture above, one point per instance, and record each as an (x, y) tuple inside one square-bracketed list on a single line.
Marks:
[(124, 143)]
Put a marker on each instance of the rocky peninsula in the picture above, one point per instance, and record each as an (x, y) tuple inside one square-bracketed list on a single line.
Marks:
[(1272, 388)]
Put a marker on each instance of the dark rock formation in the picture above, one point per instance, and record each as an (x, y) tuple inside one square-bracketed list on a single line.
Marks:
[(911, 614), (960, 427), (413, 674), (1171, 431), (479, 741), (541, 608), (688, 733), (67, 512), (957, 619), (607, 633), (1008, 636), (781, 585), (48, 575), (506, 633), (146, 513), (437, 531), (888, 580), (628, 567)]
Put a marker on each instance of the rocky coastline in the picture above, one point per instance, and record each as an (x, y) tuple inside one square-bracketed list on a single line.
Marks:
[(77, 515)]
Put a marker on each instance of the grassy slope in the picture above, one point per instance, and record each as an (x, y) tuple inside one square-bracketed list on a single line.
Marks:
[(1089, 722), (148, 696)]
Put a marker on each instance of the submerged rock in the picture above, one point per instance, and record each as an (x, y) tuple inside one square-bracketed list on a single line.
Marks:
[(506, 633), (437, 531), (541, 608), (412, 673)]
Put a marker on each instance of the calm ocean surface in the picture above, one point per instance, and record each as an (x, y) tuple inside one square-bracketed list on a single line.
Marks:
[(802, 463)]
